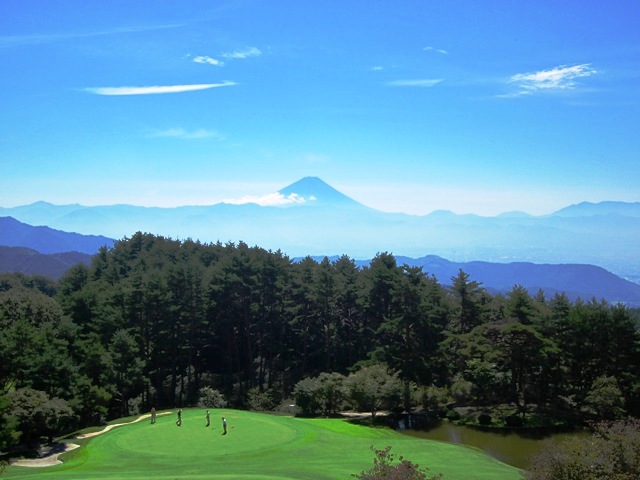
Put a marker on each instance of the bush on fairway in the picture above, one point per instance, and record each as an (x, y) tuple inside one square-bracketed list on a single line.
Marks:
[(384, 468)]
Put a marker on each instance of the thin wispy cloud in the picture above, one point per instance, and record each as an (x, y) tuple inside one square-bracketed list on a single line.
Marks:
[(436, 50), (271, 200), (423, 83), (205, 59), (243, 53), (153, 90), (181, 133), (556, 79), (41, 38), (377, 68)]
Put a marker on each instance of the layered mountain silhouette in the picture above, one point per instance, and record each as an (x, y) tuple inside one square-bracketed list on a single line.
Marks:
[(328, 222), (584, 281), (28, 261), (47, 240), (575, 280)]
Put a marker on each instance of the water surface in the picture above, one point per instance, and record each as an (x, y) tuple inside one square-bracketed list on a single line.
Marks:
[(511, 447)]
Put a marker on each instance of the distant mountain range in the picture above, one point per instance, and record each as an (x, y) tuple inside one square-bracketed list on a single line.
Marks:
[(585, 281), (327, 222), (575, 280)]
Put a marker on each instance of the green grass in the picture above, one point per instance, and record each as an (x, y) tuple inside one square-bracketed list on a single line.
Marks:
[(257, 446)]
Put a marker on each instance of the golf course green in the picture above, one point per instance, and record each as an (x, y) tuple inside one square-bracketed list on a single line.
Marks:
[(256, 446)]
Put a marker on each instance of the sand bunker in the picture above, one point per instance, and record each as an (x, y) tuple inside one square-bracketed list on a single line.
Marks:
[(49, 455), (49, 458)]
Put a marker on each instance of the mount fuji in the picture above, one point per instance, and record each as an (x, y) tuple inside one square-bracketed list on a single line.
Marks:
[(312, 191)]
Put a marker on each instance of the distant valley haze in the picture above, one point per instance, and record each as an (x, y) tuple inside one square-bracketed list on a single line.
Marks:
[(310, 217)]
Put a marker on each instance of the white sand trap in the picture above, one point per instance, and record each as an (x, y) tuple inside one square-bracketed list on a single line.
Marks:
[(48, 460), (60, 448)]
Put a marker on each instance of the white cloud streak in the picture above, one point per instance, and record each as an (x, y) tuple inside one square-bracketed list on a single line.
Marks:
[(437, 50), (208, 60), (555, 79), (153, 90), (271, 200), (426, 82), (37, 39), (198, 134), (244, 53)]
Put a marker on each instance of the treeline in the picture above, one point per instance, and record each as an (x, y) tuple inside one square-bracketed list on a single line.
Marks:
[(153, 320)]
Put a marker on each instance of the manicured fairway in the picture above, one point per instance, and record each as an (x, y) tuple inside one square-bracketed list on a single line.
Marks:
[(257, 446)]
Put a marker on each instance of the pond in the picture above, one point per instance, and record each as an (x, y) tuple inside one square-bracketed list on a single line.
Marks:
[(511, 447)]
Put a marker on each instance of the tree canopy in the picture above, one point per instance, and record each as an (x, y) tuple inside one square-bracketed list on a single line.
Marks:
[(153, 321)]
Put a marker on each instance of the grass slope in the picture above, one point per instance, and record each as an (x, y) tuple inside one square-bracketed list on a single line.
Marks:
[(257, 446)]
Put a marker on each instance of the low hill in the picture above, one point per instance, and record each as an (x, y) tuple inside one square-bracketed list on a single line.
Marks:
[(576, 280), (14, 233), (28, 261)]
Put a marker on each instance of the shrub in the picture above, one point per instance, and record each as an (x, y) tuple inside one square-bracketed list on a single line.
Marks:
[(211, 398), (384, 469), (306, 395), (461, 389), (611, 453), (484, 419), (452, 415), (513, 421), (261, 401), (373, 388), (39, 415), (436, 398)]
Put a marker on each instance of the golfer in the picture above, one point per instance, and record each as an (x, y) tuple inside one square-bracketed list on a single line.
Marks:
[(208, 419), (224, 426), (179, 421), (153, 414)]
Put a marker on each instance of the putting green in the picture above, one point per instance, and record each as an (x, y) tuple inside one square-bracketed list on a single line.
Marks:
[(257, 446)]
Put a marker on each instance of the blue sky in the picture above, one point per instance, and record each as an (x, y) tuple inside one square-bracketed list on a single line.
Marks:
[(411, 106)]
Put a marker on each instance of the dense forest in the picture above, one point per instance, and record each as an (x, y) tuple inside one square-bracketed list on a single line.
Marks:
[(154, 321)]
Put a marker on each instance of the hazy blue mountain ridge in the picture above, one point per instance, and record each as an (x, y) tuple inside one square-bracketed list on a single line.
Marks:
[(575, 280), (14, 233), (605, 234), (603, 208), (585, 281)]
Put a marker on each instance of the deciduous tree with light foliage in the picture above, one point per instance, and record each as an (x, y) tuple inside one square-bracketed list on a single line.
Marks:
[(384, 468)]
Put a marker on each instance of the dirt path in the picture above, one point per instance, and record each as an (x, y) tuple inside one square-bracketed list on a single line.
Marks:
[(50, 454)]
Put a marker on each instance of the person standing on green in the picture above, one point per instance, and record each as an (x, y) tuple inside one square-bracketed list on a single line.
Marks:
[(179, 421), (208, 419), (224, 426), (153, 415)]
